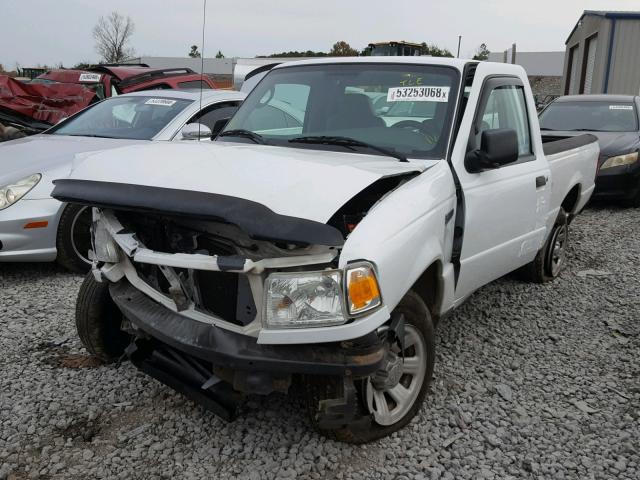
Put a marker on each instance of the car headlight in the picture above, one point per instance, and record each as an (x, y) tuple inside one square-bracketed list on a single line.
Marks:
[(325, 298), (10, 194), (104, 246), (363, 292), (620, 160), (304, 299)]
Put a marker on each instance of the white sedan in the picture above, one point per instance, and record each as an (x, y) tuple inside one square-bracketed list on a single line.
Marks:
[(34, 226)]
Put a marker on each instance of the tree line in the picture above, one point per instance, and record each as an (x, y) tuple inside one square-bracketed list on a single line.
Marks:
[(113, 34)]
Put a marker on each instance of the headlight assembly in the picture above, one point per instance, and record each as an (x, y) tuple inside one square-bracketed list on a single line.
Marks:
[(104, 246), (10, 194), (304, 299), (620, 160), (319, 299)]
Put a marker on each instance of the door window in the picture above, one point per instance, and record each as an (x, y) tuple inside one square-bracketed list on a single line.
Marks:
[(506, 108)]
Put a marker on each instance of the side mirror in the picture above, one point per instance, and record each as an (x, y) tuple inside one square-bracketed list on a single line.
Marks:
[(219, 125), (195, 131), (498, 147)]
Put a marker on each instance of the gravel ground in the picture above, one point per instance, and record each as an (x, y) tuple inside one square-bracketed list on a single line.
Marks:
[(531, 381)]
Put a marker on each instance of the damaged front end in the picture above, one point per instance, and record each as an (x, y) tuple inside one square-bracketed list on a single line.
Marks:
[(224, 297)]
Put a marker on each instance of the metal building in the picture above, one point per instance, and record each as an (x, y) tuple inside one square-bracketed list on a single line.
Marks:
[(603, 54), (544, 70)]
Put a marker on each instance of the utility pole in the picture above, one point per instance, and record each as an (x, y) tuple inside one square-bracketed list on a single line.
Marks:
[(459, 40)]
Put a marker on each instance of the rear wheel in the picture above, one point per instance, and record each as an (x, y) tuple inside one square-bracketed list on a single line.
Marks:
[(99, 321), (73, 241), (552, 258), (391, 397)]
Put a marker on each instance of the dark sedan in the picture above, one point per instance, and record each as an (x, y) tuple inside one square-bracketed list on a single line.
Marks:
[(614, 119)]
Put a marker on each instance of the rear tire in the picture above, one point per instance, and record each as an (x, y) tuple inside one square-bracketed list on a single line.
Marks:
[(370, 424), (552, 258), (73, 240), (98, 321)]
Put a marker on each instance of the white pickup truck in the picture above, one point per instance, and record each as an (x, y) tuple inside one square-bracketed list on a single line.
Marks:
[(322, 245)]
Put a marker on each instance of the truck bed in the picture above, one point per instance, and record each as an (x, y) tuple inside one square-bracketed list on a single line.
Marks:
[(552, 145), (566, 160)]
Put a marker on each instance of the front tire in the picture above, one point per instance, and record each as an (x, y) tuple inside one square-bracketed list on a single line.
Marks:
[(390, 398), (99, 321), (73, 240), (552, 258), (634, 202)]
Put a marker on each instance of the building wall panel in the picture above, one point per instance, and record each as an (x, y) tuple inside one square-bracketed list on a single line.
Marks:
[(625, 60)]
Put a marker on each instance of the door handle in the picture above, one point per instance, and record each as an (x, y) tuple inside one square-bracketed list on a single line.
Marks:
[(541, 181)]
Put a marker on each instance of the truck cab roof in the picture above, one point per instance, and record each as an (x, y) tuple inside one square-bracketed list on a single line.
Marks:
[(457, 63)]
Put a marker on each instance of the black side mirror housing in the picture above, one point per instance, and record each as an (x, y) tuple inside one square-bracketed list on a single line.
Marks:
[(219, 126), (498, 147)]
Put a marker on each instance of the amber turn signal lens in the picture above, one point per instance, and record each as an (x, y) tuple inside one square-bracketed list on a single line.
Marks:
[(363, 290), (42, 224)]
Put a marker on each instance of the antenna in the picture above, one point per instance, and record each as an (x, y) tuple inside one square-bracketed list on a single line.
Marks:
[(204, 22)]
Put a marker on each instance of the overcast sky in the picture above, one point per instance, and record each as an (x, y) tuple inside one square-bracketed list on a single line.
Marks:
[(51, 31)]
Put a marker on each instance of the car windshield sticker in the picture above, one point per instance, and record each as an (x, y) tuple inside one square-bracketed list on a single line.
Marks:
[(620, 107), (164, 102), (418, 94), (90, 77)]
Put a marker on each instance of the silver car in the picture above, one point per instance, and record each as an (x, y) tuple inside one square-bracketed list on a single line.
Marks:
[(34, 226)]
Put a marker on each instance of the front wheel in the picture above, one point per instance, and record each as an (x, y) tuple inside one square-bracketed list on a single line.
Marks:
[(73, 240), (552, 258), (391, 397), (99, 321), (634, 201)]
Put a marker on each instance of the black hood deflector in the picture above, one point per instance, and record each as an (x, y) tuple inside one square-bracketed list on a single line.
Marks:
[(255, 219)]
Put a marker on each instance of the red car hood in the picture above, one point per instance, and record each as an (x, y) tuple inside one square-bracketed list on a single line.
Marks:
[(43, 102)]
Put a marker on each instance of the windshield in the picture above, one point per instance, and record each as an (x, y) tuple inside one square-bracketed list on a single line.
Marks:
[(134, 118), (590, 116), (403, 108)]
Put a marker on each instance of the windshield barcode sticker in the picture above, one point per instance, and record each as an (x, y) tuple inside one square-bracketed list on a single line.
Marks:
[(90, 77), (418, 94), (164, 102), (620, 107)]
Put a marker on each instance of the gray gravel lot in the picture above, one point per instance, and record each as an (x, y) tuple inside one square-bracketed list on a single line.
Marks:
[(531, 381)]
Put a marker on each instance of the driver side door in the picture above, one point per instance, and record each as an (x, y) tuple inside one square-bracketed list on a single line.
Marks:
[(503, 207)]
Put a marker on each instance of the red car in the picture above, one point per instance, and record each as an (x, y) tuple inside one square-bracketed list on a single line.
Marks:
[(35, 106), (108, 80)]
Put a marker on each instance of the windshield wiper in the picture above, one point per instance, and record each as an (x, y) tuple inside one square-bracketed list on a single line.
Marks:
[(347, 142), (92, 135), (240, 132)]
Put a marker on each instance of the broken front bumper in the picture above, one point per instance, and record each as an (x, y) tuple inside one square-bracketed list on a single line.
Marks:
[(132, 252), (227, 349)]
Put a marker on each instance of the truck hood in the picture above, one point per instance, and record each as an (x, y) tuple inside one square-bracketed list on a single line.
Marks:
[(46, 154), (294, 182)]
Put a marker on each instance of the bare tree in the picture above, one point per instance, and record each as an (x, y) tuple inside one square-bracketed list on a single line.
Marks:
[(112, 35)]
